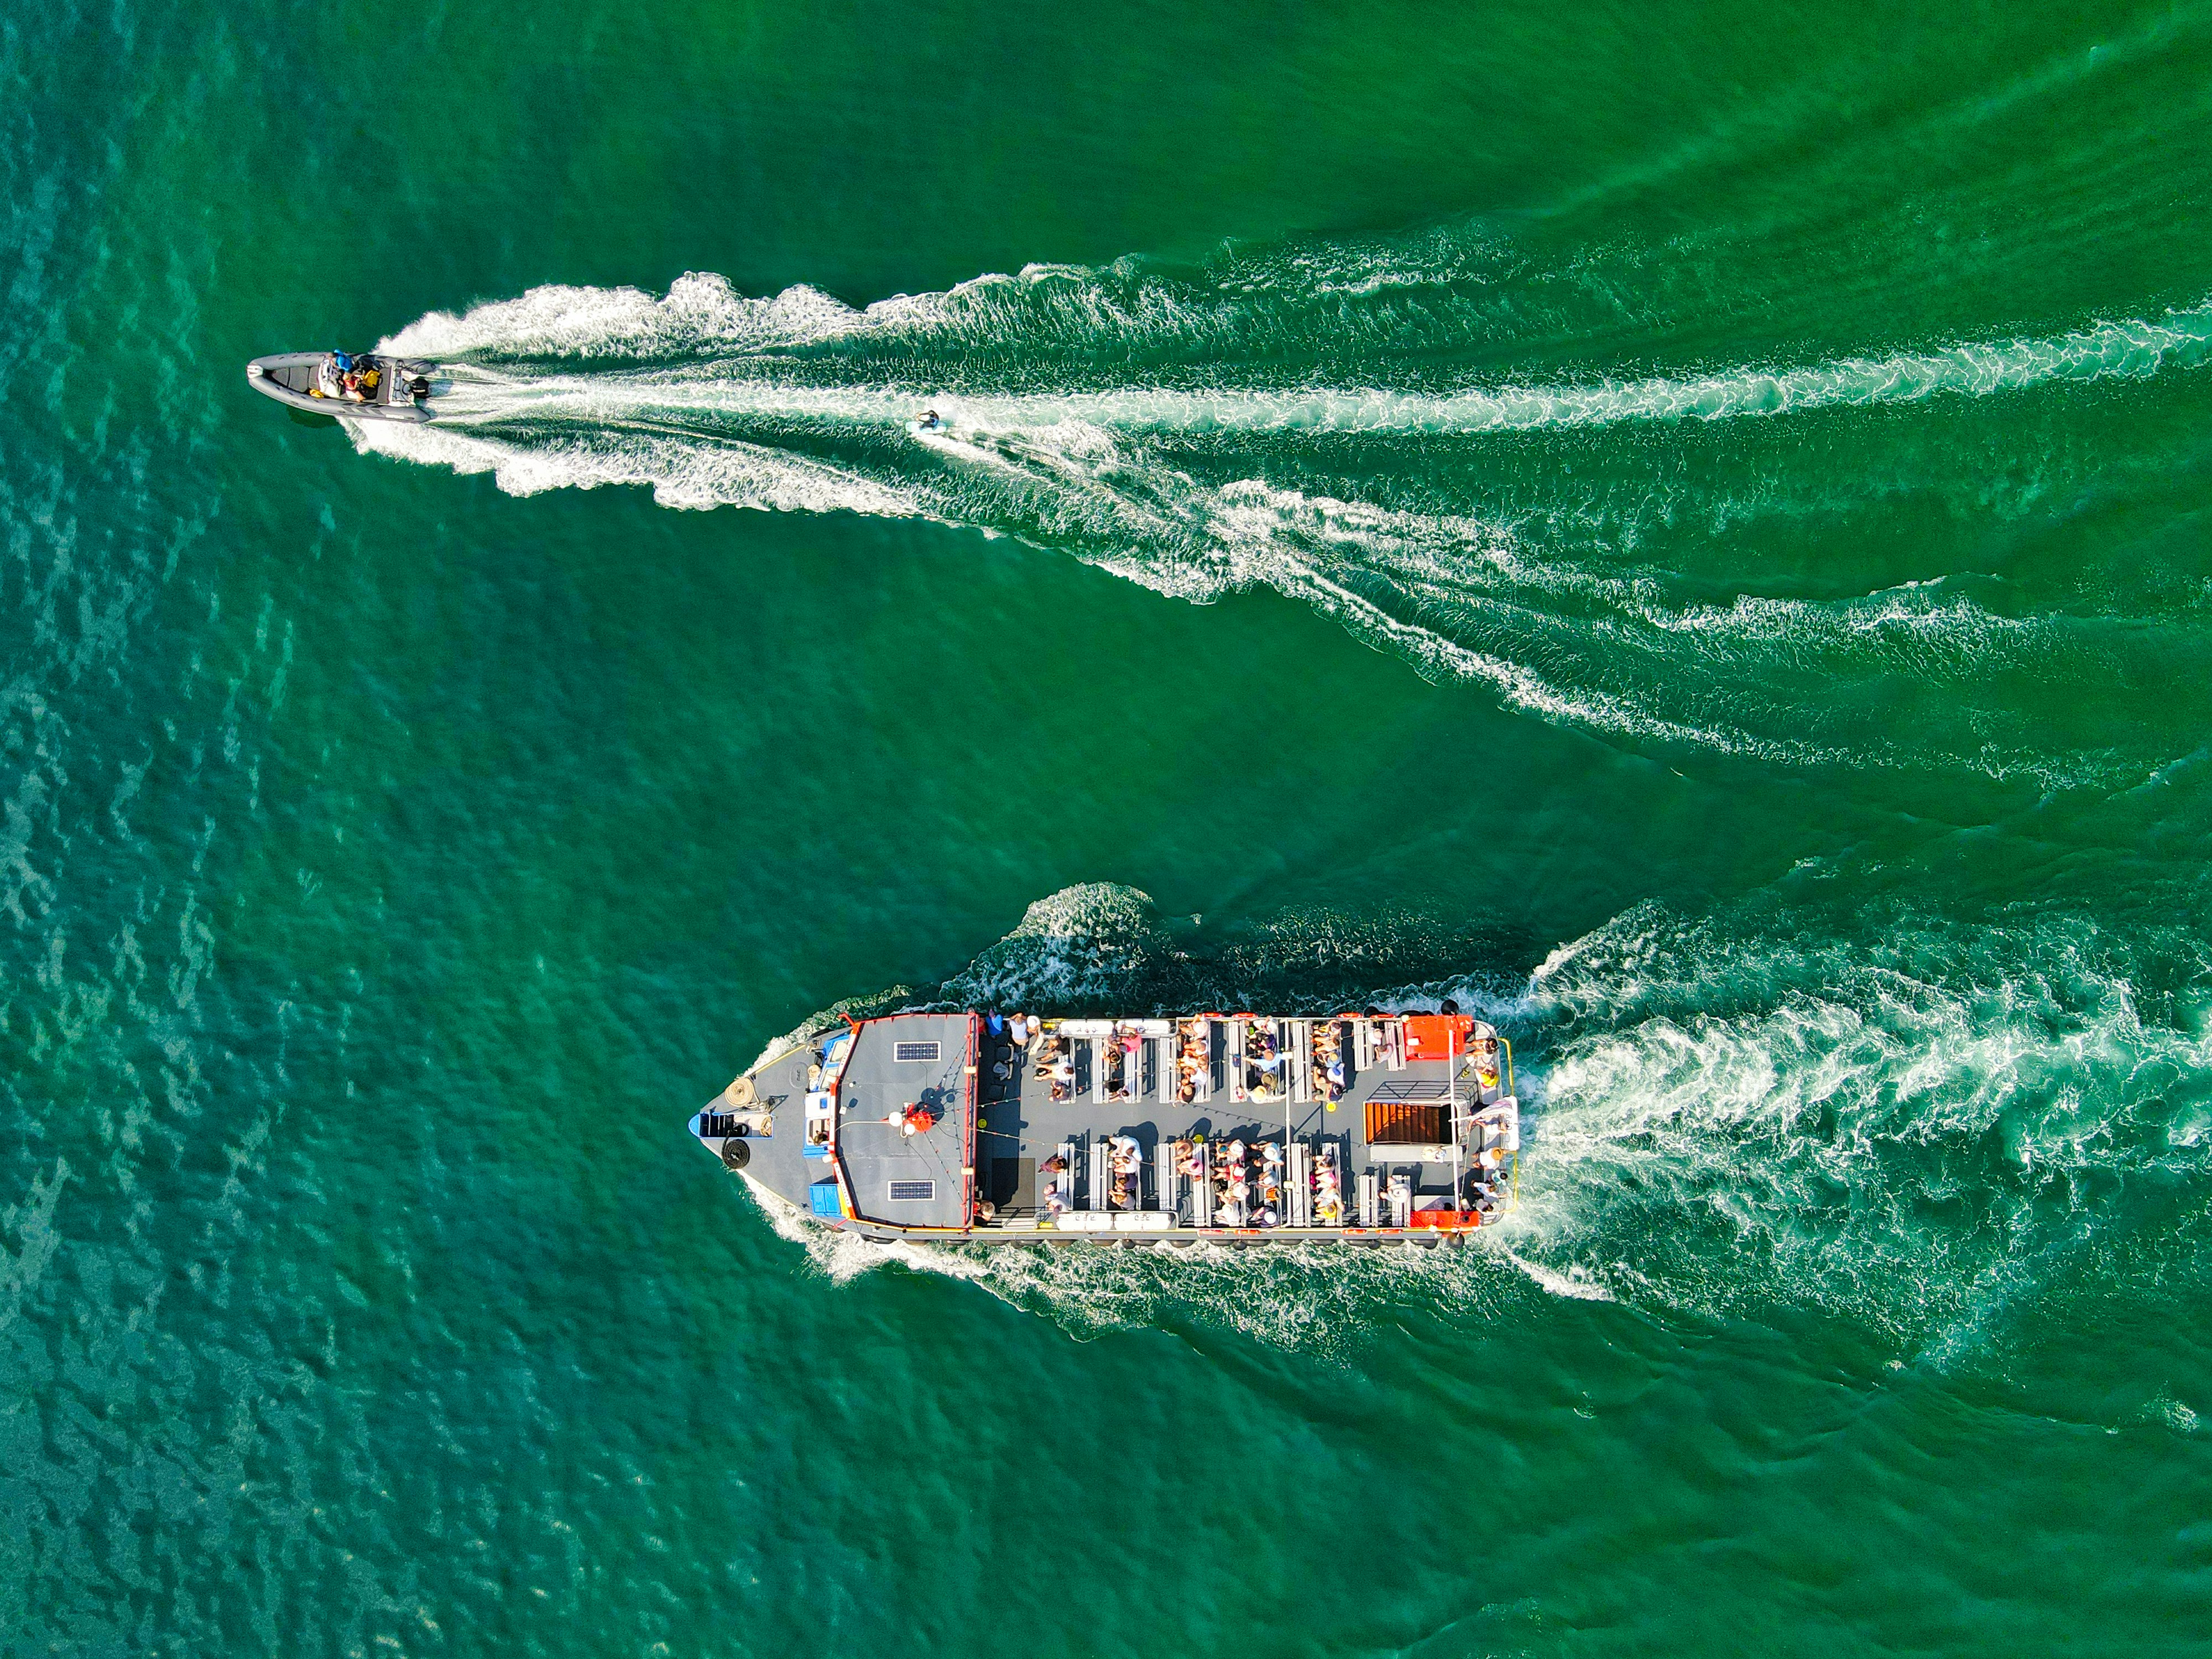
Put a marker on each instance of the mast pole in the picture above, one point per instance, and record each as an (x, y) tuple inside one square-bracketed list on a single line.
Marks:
[(1451, 1084)]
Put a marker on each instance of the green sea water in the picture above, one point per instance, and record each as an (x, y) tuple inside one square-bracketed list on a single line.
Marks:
[(1684, 528)]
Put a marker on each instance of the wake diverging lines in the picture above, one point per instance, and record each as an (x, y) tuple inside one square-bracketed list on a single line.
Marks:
[(2127, 350), (800, 404)]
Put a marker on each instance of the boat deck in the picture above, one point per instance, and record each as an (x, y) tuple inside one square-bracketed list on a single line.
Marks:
[(997, 1129), (308, 381)]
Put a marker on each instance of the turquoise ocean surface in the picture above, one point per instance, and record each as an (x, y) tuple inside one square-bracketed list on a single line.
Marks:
[(1688, 528)]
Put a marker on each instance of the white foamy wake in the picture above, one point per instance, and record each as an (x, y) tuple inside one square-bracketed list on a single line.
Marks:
[(708, 398), (1575, 1281), (683, 470), (843, 1256), (1909, 1128), (703, 317), (1337, 295)]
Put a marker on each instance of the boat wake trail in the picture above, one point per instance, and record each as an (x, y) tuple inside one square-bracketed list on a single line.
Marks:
[(1924, 1136), (1940, 1139), (1332, 426)]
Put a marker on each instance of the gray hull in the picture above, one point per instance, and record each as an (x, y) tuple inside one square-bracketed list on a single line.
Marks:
[(292, 379)]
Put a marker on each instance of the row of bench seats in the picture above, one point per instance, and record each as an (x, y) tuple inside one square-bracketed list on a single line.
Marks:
[(1098, 1053), (1166, 1209)]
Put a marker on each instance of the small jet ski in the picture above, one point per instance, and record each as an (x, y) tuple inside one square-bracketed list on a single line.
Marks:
[(352, 385), (927, 423)]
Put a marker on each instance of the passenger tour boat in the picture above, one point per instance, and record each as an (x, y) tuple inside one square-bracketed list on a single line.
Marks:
[(999, 1128)]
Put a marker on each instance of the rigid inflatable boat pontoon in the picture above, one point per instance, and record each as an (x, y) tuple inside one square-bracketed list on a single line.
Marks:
[(353, 386)]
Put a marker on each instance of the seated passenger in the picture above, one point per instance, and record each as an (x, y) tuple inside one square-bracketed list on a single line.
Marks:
[(1488, 1063)]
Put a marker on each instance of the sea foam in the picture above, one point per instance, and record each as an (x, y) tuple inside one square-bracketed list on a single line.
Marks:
[(796, 402)]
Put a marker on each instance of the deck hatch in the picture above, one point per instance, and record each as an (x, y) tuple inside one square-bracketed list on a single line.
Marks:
[(913, 1192), (1404, 1123), (928, 1051)]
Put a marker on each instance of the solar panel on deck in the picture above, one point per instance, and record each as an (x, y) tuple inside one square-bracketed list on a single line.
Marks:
[(917, 1051), (912, 1191)]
